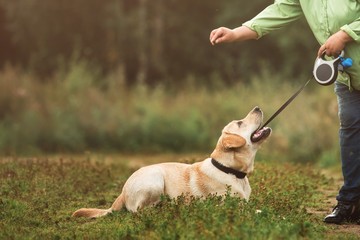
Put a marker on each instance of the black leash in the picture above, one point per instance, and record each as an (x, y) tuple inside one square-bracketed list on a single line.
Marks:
[(287, 103), (324, 72)]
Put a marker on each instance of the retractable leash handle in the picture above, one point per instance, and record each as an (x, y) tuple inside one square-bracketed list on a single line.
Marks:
[(325, 71)]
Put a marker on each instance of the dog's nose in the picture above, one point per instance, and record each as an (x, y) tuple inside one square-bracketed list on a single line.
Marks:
[(257, 109)]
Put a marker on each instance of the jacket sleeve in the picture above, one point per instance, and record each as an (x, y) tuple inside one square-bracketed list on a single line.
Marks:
[(275, 16), (353, 29)]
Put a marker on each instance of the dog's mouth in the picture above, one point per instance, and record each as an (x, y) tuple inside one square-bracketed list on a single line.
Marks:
[(260, 134)]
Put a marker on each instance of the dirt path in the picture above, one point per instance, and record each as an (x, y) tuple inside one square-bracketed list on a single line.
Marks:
[(330, 193)]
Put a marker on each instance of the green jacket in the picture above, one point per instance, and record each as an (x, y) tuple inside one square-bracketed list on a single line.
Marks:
[(325, 17)]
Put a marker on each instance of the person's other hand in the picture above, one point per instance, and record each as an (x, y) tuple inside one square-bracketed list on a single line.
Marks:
[(335, 44)]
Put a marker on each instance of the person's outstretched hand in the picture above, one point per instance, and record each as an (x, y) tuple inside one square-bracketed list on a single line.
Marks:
[(226, 35), (222, 35)]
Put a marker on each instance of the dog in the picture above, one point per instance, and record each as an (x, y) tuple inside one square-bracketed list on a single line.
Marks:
[(227, 166)]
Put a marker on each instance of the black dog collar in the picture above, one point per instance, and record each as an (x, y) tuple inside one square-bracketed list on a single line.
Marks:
[(238, 174)]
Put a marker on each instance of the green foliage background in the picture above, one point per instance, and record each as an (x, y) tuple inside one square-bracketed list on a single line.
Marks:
[(157, 40), (141, 76), (74, 113)]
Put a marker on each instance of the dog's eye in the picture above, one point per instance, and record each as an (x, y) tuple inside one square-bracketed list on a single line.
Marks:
[(239, 123)]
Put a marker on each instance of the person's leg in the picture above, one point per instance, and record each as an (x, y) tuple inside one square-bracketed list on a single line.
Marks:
[(349, 134), (349, 115)]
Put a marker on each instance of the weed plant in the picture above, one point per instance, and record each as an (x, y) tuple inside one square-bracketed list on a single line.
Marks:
[(37, 197)]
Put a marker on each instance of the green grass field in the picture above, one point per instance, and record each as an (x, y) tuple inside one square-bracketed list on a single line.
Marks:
[(38, 195)]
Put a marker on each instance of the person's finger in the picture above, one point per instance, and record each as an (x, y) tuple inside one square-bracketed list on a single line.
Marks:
[(322, 49), (212, 33), (216, 34), (330, 51)]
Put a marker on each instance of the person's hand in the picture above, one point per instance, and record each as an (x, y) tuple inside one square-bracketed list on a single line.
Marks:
[(335, 44), (226, 35), (222, 35)]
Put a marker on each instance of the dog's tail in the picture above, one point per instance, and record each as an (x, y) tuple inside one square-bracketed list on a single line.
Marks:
[(91, 212), (95, 212)]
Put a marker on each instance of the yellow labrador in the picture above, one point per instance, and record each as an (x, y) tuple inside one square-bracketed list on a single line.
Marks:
[(228, 165)]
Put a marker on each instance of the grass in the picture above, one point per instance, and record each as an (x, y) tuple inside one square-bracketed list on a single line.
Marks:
[(38, 195)]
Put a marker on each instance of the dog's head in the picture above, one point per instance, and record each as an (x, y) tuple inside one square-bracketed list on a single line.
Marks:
[(240, 140)]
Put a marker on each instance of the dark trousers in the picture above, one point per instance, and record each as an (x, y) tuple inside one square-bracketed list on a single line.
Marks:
[(349, 134)]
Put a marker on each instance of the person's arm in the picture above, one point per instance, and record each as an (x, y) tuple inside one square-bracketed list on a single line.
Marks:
[(224, 35), (275, 16)]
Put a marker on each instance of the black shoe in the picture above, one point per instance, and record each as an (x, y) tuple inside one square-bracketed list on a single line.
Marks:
[(344, 212), (355, 215)]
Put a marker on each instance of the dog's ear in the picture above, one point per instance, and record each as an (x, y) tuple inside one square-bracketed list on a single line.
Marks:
[(232, 141)]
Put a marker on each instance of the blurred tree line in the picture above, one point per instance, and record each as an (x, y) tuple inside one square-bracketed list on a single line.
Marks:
[(149, 40)]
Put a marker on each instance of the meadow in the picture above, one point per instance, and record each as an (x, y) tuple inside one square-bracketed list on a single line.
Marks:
[(38, 195)]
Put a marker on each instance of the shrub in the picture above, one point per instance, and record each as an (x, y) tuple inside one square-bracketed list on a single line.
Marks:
[(77, 111)]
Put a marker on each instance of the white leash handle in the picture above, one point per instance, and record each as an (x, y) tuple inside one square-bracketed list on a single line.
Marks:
[(326, 71)]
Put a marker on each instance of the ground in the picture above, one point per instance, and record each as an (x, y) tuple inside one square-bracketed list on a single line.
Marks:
[(329, 193)]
